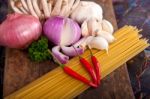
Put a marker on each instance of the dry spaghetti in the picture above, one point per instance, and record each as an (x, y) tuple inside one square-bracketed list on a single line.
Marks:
[(57, 84)]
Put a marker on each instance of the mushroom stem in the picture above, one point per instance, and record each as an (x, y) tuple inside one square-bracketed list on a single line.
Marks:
[(50, 5), (36, 8), (75, 5), (25, 5), (12, 4), (45, 8), (70, 4), (29, 3), (40, 5), (23, 10), (65, 8), (19, 5), (57, 8)]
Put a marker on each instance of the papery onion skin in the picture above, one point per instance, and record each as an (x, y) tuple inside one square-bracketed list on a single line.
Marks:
[(19, 30), (54, 27)]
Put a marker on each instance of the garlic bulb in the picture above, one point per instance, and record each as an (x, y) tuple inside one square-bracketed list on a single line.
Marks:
[(98, 43), (107, 26), (87, 10), (109, 37)]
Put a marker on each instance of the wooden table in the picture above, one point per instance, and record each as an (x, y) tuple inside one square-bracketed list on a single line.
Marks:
[(20, 71)]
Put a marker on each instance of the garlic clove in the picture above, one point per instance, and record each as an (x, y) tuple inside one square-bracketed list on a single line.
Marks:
[(86, 41), (107, 26), (99, 43), (109, 37), (100, 25), (84, 29), (94, 26), (91, 24), (89, 39)]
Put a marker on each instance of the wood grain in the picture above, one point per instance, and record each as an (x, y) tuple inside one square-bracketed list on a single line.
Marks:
[(20, 71)]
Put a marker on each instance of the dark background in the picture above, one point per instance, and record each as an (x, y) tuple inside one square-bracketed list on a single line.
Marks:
[(3, 12), (133, 12)]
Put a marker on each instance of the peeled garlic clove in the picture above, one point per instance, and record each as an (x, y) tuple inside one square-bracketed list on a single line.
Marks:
[(84, 29), (109, 37), (99, 43), (107, 26)]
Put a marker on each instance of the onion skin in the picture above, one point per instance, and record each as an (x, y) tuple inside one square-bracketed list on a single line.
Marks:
[(19, 30), (54, 29)]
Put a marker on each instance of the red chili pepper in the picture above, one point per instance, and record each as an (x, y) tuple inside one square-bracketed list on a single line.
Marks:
[(77, 76), (74, 74), (96, 66), (89, 68)]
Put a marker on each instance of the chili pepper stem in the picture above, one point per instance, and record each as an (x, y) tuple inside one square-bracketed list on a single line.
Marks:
[(90, 51)]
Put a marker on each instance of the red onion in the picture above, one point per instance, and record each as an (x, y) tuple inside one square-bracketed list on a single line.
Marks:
[(72, 51), (60, 56), (19, 30), (62, 31)]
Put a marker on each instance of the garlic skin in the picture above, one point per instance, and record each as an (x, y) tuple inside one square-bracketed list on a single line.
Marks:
[(108, 36), (87, 10), (107, 26), (98, 43)]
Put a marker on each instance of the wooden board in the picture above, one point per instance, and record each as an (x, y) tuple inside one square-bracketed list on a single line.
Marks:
[(20, 71)]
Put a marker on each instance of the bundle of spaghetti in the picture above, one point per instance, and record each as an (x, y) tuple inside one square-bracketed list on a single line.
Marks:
[(57, 84)]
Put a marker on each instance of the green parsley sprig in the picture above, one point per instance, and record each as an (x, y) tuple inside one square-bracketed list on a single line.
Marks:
[(38, 51)]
